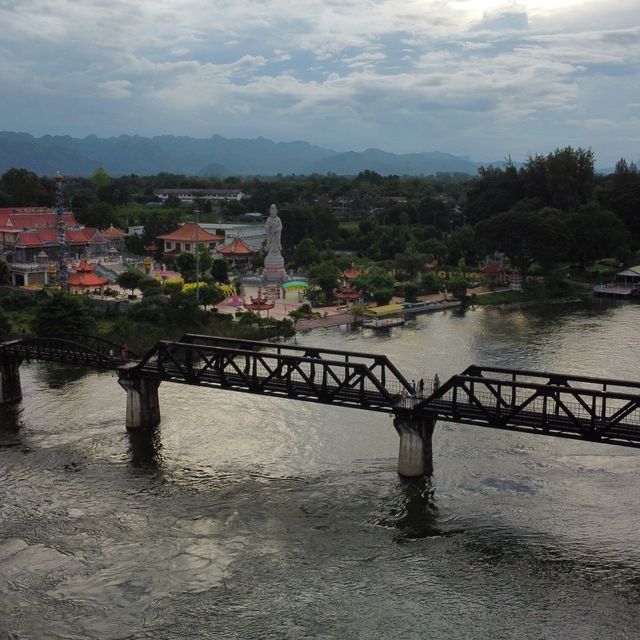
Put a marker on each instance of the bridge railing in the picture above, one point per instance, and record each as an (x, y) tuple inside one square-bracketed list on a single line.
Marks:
[(282, 370)]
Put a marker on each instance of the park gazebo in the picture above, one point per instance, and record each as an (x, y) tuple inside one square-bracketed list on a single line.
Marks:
[(85, 278)]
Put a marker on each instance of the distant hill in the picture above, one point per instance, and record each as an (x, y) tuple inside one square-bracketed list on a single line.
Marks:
[(215, 156)]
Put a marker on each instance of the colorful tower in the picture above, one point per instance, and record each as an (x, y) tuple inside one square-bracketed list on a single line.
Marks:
[(63, 274)]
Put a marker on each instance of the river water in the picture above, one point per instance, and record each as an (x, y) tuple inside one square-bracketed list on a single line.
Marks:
[(248, 517)]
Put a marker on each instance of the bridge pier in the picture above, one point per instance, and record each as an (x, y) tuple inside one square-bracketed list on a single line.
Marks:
[(143, 404), (415, 455), (10, 389)]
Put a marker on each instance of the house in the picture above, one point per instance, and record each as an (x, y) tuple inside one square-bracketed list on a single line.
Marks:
[(185, 239)]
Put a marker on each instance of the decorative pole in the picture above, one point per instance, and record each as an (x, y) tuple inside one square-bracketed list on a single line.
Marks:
[(197, 214), (63, 274)]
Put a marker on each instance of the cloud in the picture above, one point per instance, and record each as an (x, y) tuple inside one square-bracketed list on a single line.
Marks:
[(492, 75), (115, 89)]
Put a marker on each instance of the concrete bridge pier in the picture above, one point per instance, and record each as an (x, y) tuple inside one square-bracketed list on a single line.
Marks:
[(415, 455), (143, 404), (10, 389)]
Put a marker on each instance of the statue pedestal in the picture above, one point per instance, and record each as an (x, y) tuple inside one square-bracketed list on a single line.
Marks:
[(274, 272)]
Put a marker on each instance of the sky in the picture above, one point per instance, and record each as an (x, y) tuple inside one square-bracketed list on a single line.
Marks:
[(483, 79)]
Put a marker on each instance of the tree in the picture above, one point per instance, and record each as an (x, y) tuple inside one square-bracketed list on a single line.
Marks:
[(98, 214), (186, 263), (130, 279), (526, 237), (100, 179), (306, 253), (382, 296), (457, 285), (5, 272), (24, 188), (325, 276), (64, 313), (411, 262), (597, 234), (210, 295), (204, 260), (430, 283), (149, 287), (563, 179), (5, 326), (220, 271)]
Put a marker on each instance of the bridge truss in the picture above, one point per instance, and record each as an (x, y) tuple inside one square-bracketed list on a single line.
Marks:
[(312, 374), (598, 409)]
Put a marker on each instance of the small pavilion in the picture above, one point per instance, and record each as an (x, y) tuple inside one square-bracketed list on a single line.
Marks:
[(350, 274), (346, 294), (85, 278), (260, 303)]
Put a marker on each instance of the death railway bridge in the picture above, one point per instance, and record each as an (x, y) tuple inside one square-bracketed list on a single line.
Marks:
[(580, 407)]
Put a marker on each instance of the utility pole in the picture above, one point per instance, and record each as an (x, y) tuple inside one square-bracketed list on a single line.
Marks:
[(197, 215)]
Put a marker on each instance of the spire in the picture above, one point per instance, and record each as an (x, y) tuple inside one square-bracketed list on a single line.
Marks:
[(63, 274)]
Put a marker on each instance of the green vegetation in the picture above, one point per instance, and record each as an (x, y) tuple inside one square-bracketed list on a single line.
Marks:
[(153, 319), (408, 236)]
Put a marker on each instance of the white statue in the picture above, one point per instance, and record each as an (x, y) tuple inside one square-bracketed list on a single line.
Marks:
[(273, 229)]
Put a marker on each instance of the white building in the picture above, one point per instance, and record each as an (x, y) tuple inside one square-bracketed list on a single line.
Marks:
[(189, 195)]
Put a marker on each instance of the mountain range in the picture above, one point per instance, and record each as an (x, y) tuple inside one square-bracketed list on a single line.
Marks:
[(211, 157)]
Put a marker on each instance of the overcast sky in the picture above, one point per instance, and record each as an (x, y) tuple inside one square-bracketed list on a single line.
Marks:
[(486, 79)]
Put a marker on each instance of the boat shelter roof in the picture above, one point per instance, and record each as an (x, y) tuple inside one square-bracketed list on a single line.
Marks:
[(385, 310)]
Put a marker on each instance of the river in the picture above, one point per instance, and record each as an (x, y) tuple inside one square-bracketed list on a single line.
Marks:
[(248, 517)]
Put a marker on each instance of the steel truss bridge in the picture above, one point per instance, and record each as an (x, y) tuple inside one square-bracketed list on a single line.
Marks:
[(595, 409)]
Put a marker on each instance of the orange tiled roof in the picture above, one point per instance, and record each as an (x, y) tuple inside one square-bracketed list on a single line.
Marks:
[(187, 233), (238, 247), (113, 233), (85, 277)]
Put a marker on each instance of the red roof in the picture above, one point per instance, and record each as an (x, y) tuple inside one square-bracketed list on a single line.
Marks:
[(238, 247), (492, 267), (113, 233), (351, 273), (88, 235), (33, 218), (85, 277), (50, 237), (187, 233), (84, 266)]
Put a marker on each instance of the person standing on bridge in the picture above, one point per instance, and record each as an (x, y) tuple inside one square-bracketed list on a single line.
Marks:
[(413, 387), (421, 387), (124, 352), (436, 382)]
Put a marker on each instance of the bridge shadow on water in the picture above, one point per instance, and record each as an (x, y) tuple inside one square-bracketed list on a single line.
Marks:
[(145, 450), (411, 510), (11, 426)]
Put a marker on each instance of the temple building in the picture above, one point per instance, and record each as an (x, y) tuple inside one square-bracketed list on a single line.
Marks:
[(114, 238), (238, 253), (25, 233), (184, 239)]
